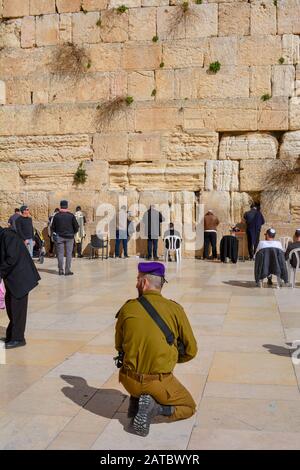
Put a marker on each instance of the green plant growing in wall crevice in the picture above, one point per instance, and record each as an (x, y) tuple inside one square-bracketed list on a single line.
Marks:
[(80, 176), (214, 67), (111, 109)]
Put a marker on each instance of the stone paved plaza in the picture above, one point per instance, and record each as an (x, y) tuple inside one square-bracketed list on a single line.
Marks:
[(61, 391)]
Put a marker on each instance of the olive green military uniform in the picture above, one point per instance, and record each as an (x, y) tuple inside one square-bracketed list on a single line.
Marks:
[(148, 359)]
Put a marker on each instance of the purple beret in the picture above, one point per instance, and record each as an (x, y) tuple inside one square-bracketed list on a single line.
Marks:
[(156, 269)]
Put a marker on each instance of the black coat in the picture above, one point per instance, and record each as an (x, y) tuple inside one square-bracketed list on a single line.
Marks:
[(16, 266), (270, 261), (229, 248), (152, 220)]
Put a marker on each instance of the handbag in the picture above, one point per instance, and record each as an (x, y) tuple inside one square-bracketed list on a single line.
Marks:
[(169, 335), (2, 295)]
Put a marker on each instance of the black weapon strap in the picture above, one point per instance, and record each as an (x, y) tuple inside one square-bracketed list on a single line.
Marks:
[(157, 319)]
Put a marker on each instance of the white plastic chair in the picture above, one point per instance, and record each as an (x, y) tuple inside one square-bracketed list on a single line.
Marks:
[(293, 271), (173, 242), (285, 241)]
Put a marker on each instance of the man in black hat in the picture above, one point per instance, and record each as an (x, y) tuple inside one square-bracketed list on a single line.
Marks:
[(24, 228), (150, 354), (20, 277), (64, 226)]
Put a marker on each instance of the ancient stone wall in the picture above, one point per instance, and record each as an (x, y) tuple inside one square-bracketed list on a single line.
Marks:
[(220, 137)]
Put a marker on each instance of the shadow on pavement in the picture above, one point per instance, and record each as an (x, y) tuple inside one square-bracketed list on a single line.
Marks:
[(248, 284)]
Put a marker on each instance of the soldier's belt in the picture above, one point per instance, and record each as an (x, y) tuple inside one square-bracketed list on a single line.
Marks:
[(144, 377)]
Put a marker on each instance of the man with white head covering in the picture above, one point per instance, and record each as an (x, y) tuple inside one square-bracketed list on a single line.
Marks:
[(211, 223), (269, 242)]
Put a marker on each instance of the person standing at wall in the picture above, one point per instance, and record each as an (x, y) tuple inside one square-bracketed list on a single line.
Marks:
[(24, 228), (12, 220), (254, 221), (152, 220), (64, 226), (80, 235), (50, 231), (211, 223)]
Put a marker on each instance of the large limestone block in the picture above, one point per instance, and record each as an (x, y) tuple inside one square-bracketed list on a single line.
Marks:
[(248, 147), (28, 120), (42, 7), (263, 17), (47, 30), (184, 53), (142, 57), (28, 32), (240, 203), (118, 84), (295, 208), (222, 115), (114, 27), (111, 147), (234, 19), (118, 176), (94, 5), (65, 28), (45, 148), (18, 91), (290, 147), (68, 6), (144, 147), (190, 145), (155, 3), (275, 207), (254, 175), (222, 176), (260, 80), (218, 202), (222, 49), (167, 27), (37, 202), (88, 200), (142, 24), (129, 3), (15, 8), (9, 177), (97, 176), (294, 113), (165, 84), (10, 32), (50, 175), (105, 57), (22, 62), (204, 23), (155, 119), (290, 48), (273, 114), (2, 92), (170, 177), (146, 198), (283, 80), (141, 84), (85, 29), (288, 16), (259, 50), (88, 87)]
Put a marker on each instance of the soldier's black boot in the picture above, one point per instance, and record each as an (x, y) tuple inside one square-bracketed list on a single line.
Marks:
[(148, 408), (133, 407)]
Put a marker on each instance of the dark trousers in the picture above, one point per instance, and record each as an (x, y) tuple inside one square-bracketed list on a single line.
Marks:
[(118, 241), (17, 313), (79, 249), (210, 238), (152, 244), (253, 240)]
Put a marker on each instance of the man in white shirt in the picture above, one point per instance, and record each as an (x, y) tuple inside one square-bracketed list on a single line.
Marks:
[(269, 242)]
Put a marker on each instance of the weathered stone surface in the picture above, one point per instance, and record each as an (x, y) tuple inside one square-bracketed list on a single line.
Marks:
[(141, 57), (18, 92), (190, 145), (234, 19), (222, 176), (283, 80), (253, 176), (129, 3), (203, 23), (28, 120), (42, 7), (218, 202), (65, 28), (259, 50), (248, 147), (85, 29), (15, 8), (118, 84), (9, 177), (222, 49), (118, 176), (275, 207), (170, 176), (105, 57), (111, 147), (240, 203), (94, 5), (142, 24), (2, 92), (50, 175), (28, 32), (294, 113), (295, 207), (45, 148), (263, 17), (184, 53), (144, 147), (290, 147), (10, 33), (288, 16), (97, 176), (47, 30), (153, 119), (141, 85), (68, 6), (165, 84), (260, 80), (273, 114), (290, 48), (166, 25), (114, 26), (37, 202), (154, 3), (88, 87)]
